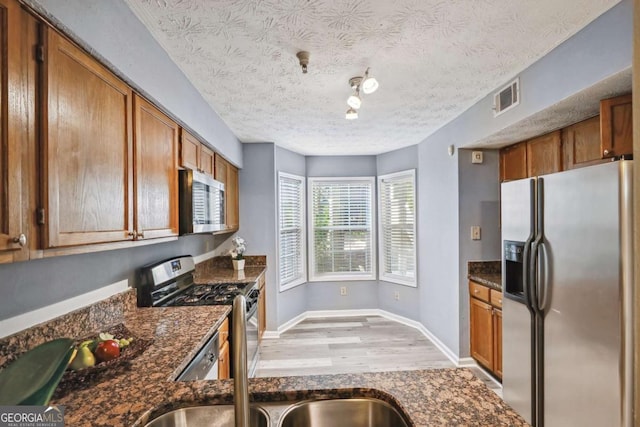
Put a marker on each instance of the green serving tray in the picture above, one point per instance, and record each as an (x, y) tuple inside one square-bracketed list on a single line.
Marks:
[(34, 376)]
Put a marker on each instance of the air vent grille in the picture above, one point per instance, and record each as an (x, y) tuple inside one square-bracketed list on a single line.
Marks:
[(507, 98)]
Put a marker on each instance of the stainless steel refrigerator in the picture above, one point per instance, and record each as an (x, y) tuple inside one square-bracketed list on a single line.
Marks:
[(567, 282)]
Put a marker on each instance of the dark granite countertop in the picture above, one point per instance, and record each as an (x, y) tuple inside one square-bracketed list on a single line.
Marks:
[(494, 281), (486, 273), (220, 270), (133, 394)]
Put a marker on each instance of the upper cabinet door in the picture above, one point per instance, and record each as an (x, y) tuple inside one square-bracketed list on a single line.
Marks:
[(207, 160), (14, 134), (228, 175), (616, 126), (87, 145), (513, 162), (581, 143), (544, 154), (189, 151), (156, 172)]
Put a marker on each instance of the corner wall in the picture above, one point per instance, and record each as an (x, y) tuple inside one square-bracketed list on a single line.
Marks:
[(479, 204)]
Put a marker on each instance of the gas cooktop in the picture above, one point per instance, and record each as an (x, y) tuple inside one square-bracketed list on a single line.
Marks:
[(212, 294)]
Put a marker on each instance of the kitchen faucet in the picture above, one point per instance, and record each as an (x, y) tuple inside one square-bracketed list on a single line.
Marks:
[(240, 374)]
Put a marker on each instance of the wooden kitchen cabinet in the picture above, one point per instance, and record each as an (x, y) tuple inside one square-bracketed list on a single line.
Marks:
[(87, 147), (544, 154), (156, 173), (581, 144), (262, 307), (481, 318), (226, 173), (616, 126), (195, 155), (14, 134), (224, 362), (513, 162), (497, 342), (485, 320)]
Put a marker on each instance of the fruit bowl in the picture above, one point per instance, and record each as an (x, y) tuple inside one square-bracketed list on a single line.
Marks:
[(83, 378)]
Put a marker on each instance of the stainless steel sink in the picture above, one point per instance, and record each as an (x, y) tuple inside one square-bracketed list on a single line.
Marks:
[(216, 415), (342, 413)]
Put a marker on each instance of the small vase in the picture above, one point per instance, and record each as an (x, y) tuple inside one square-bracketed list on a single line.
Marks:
[(238, 264)]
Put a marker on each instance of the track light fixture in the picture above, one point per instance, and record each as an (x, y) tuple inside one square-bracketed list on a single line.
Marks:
[(368, 85)]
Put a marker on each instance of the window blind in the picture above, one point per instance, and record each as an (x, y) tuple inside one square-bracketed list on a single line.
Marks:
[(397, 241), (341, 232), (291, 236)]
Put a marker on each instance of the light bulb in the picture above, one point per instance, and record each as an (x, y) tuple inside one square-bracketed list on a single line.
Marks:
[(351, 114), (369, 85), (354, 101)]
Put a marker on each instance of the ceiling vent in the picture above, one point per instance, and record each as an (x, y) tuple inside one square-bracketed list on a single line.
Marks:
[(507, 98)]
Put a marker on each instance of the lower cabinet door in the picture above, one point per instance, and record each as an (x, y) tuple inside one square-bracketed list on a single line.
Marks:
[(223, 362), (497, 343), (481, 320)]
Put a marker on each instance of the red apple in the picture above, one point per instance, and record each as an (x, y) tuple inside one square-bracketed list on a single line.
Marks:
[(107, 350)]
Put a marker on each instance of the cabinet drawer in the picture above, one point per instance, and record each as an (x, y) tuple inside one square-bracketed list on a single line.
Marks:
[(496, 298), (223, 332), (478, 291)]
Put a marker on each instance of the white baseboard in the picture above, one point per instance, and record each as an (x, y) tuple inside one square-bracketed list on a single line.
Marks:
[(466, 361), (26, 320)]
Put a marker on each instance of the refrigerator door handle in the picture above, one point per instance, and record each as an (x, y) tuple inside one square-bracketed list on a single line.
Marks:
[(527, 247), (534, 286)]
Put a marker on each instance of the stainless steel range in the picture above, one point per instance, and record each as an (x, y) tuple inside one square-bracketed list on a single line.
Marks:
[(169, 283)]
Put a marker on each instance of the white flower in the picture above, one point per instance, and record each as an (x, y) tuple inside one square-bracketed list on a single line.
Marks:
[(240, 246)]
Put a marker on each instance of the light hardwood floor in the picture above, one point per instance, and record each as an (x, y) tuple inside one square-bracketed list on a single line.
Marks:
[(351, 345)]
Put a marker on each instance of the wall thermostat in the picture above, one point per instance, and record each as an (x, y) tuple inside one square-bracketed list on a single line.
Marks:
[(476, 157)]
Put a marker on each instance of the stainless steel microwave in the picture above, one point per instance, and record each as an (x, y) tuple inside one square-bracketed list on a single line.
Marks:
[(201, 203)]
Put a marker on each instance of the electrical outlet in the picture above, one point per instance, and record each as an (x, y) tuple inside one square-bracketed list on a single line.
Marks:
[(343, 290), (475, 232), (396, 295)]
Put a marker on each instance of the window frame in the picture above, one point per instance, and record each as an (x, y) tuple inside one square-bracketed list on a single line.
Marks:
[(303, 232), (389, 277), (334, 277)]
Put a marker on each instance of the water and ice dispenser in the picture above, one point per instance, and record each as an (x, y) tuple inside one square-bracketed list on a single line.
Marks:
[(513, 263)]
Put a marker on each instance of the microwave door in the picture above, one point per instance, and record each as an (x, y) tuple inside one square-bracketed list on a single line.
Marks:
[(201, 203)]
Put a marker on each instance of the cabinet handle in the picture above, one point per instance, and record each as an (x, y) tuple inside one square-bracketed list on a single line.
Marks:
[(476, 291), (606, 152), (132, 234), (21, 239), (140, 234), (500, 301)]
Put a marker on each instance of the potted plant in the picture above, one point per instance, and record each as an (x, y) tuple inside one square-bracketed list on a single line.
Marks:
[(237, 257)]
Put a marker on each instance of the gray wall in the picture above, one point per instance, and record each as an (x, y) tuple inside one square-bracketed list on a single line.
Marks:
[(291, 302), (438, 239), (29, 285), (409, 303), (258, 215), (111, 31), (479, 204)]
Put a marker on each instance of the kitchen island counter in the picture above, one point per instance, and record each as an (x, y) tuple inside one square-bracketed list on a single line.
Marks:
[(135, 393)]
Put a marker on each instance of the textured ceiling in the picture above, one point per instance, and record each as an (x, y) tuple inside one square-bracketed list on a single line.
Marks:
[(433, 59)]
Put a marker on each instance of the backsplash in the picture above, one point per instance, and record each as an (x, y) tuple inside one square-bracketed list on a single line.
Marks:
[(76, 324), (484, 267)]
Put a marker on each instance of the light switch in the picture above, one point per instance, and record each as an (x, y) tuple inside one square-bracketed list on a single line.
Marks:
[(475, 232), (476, 157)]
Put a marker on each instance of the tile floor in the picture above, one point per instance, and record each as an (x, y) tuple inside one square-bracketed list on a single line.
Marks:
[(352, 345)]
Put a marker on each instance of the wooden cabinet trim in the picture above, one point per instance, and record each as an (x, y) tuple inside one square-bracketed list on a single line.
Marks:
[(223, 332), (224, 364), (497, 343)]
